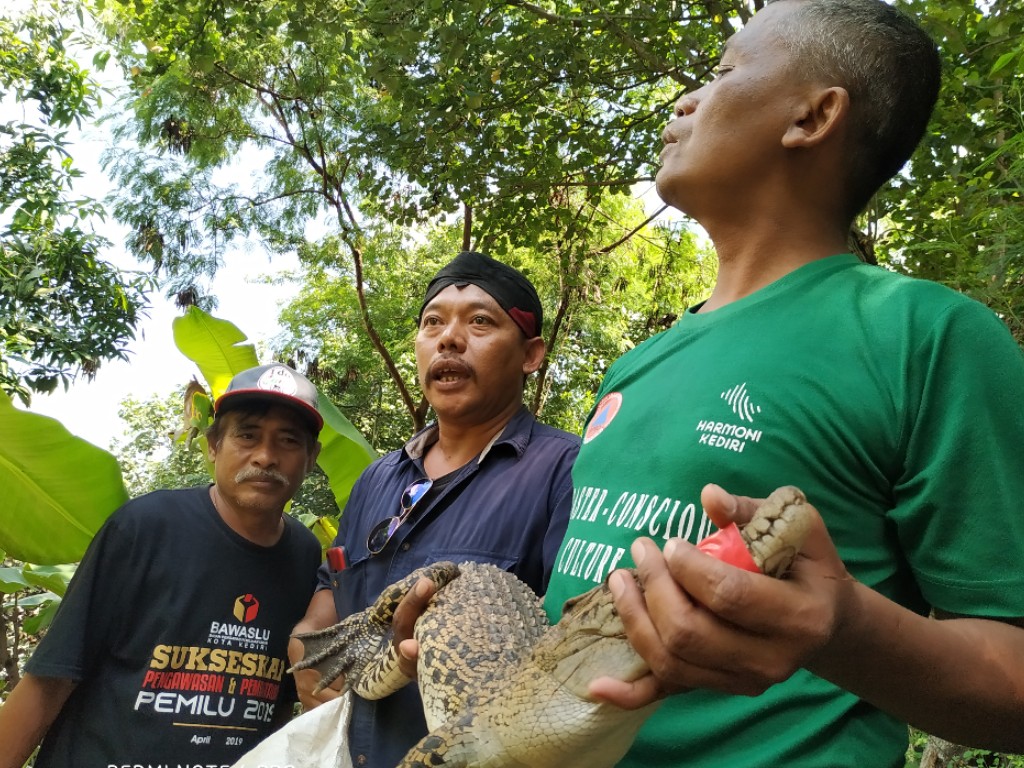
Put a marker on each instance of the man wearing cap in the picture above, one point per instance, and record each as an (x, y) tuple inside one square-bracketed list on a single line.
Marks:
[(169, 647), (486, 482)]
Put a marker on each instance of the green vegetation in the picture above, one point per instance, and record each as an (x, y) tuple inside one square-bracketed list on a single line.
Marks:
[(63, 309), (382, 137)]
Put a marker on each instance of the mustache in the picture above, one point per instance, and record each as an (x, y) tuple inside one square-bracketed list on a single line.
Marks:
[(251, 473), (449, 363)]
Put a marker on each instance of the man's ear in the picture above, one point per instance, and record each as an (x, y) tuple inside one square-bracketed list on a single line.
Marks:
[(822, 115), (535, 351)]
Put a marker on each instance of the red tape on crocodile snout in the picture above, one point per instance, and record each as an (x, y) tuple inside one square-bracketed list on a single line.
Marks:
[(727, 545)]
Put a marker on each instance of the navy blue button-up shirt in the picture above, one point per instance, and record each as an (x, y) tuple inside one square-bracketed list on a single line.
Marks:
[(509, 507)]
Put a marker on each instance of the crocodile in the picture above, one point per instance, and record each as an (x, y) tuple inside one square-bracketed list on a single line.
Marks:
[(501, 688)]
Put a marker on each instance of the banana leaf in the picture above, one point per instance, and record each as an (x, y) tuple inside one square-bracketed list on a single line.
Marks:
[(57, 488), (215, 346)]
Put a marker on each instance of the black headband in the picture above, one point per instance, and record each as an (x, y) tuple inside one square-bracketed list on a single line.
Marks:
[(507, 286)]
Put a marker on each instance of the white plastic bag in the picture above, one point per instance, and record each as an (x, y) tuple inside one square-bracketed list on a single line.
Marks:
[(314, 739)]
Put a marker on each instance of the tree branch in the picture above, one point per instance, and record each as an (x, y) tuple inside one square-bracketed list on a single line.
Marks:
[(625, 237), (333, 192)]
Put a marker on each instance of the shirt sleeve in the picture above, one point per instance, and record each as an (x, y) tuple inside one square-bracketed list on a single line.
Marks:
[(92, 611), (958, 502), (561, 495)]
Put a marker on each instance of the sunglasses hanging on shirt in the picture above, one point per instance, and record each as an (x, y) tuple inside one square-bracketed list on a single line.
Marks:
[(382, 532)]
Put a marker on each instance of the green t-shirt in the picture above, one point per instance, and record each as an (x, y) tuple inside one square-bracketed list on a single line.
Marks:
[(895, 404)]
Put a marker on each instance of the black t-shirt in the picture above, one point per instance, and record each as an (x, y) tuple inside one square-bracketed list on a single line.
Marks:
[(177, 629)]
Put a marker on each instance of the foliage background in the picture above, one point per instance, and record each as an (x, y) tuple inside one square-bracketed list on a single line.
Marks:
[(385, 136)]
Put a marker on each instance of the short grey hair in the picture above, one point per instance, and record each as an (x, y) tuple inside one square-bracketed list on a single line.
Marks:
[(889, 66)]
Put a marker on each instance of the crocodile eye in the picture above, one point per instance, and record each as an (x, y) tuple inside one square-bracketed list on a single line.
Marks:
[(571, 603)]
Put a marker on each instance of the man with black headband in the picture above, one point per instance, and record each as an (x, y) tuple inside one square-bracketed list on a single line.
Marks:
[(485, 482)]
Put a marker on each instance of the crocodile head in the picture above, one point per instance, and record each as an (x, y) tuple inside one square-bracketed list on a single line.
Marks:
[(590, 641)]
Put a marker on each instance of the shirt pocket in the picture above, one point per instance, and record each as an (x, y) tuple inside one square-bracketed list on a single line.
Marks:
[(349, 588)]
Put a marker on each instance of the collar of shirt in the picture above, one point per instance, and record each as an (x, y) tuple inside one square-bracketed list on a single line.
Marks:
[(516, 433)]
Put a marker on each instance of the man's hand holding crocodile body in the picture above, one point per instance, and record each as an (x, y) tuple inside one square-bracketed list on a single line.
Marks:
[(700, 623), (893, 403), (499, 687)]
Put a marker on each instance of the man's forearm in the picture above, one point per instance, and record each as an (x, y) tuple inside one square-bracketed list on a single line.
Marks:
[(27, 715), (320, 614), (961, 679)]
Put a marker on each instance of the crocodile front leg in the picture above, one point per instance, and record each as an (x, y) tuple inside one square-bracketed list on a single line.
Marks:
[(360, 648)]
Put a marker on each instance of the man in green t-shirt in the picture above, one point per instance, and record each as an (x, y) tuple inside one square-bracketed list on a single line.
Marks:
[(895, 404)]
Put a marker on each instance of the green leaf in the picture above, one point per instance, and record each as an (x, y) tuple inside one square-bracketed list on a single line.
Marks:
[(58, 488), (41, 620), (32, 601), (324, 528), (1005, 59), (54, 578), (214, 345), (12, 580), (345, 452)]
